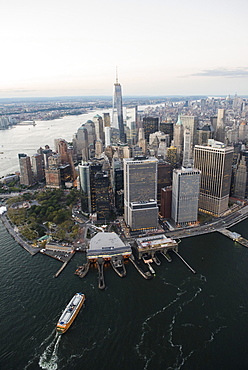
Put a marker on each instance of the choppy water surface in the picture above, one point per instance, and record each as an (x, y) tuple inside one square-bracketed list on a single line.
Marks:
[(177, 320)]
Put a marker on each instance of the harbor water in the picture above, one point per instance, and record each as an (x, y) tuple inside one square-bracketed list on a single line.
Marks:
[(177, 320)]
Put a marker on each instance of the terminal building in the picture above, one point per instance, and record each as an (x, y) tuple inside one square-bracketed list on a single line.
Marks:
[(152, 244), (107, 245)]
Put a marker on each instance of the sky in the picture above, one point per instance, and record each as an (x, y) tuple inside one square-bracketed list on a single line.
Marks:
[(161, 47)]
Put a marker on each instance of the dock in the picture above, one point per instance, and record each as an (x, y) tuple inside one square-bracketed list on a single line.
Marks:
[(60, 270), (117, 263), (63, 266), (234, 236), (146, 275), (178, 255), (101, 283), (166, 256)]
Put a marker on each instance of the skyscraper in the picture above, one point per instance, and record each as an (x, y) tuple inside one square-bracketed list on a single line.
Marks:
[(131, 119), (166, 198), (81, 144), (167, 128), (140, 193), (242, 131), (106, 119), (220, 126), (99, 148), (187, 152), (38, 167), (164, 178), (26, 174), (90, 126), (241, 179), (117, 183), (150, 125), (99, 128), (215, 163), (185, 193), (101, 181), (172, 155), (190, 123), (117, 120), (178, 137)]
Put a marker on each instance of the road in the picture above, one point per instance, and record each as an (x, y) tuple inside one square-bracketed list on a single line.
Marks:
[(212, 226)]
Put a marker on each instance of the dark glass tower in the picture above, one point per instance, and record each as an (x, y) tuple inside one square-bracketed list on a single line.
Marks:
[(117, 111), (150, 125)]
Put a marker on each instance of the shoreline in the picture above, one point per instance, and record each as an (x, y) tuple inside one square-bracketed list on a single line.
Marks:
[(17, 238)]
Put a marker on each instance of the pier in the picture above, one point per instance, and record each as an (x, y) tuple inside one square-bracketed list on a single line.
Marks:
[(178, 255), (147, 275), (64, 265), (234, 236), (166, 256), (101, 283), (60, 270), (117, 263), (156, 260)]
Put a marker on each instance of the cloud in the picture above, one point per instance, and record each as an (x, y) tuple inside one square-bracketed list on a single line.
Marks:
[(222, 72)]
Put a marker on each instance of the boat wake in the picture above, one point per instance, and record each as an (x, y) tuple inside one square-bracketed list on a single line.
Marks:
[(49, 358), (178, 326)]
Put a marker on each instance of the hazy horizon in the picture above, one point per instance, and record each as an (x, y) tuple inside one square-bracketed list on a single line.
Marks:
[(55, 48), (89, 98)]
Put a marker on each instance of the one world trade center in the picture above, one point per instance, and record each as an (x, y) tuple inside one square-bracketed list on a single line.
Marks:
[(117, 120)]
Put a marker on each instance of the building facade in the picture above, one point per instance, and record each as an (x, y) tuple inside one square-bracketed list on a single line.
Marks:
[(220, 126), (26, 173), (150, 125), (215, 163), (185, 194), (140, 193)]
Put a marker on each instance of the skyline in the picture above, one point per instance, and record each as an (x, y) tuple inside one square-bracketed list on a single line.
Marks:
[(59, 49)]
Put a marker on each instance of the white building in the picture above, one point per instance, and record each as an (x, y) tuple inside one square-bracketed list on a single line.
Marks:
[(185, 194)]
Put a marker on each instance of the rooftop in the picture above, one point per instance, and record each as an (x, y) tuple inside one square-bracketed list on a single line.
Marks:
[(105, 241)]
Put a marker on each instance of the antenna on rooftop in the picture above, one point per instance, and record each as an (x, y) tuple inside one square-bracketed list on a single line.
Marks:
[(116, 74)]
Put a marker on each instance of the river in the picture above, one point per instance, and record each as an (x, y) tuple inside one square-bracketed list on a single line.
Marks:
[(177, 320), (27, 139)]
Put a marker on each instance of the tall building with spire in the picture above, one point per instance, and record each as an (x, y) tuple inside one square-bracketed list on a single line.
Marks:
[(117, 120), (178, 137)]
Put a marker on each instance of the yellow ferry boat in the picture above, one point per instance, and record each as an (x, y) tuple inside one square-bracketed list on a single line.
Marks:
[(70, 313)]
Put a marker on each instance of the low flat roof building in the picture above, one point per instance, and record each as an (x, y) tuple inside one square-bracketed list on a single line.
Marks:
[(107, 245), (153, 244), (58, 247)]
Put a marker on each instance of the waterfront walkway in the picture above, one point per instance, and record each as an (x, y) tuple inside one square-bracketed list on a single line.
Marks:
[(18, 239)]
